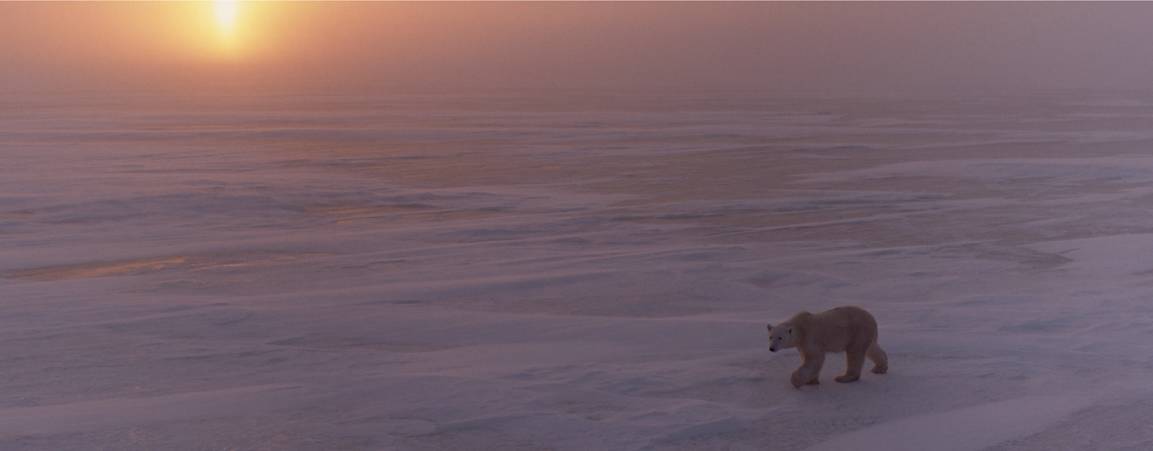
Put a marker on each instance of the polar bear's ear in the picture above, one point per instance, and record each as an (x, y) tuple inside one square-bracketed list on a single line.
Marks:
[(770, 326)]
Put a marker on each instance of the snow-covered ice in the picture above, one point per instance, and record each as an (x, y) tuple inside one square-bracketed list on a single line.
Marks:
[(571, 273)]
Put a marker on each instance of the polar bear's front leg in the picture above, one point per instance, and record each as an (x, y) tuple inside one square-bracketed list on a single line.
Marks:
[(810, 370)]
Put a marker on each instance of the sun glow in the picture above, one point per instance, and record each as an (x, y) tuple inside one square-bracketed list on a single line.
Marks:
[(226, 17)]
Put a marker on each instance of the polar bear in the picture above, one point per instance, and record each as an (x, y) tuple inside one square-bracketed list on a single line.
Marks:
[(847, 329)]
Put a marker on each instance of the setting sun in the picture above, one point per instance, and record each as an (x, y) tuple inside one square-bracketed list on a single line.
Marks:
[(225, 12)]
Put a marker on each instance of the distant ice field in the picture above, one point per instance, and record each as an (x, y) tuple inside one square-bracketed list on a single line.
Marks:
[(571, 272)]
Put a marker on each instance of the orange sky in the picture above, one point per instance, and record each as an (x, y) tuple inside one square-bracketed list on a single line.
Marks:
[(354, 47)]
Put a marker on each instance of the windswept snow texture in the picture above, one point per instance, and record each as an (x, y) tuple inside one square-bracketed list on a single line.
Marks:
[(571, 273)]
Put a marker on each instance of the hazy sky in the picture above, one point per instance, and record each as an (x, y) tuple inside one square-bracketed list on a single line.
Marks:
[(354, 47)]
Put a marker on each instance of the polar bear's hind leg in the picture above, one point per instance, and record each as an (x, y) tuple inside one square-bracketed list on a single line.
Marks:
[(856, 359), (879, 358)]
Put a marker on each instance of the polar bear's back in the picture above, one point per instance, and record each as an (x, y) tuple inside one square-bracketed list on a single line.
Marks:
[(842, 328)]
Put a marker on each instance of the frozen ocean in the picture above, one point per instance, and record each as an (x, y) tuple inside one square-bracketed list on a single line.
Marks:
[(572, 272)]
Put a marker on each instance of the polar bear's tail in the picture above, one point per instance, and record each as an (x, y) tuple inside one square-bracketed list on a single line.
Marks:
[(879, 358)]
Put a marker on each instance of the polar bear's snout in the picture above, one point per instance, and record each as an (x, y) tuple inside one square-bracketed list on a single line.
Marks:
[(779, 337)]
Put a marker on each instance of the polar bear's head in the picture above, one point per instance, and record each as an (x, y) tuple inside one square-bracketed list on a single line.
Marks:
[(781, 337)]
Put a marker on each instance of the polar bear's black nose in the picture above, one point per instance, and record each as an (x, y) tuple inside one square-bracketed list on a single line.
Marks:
[(772, 349)]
